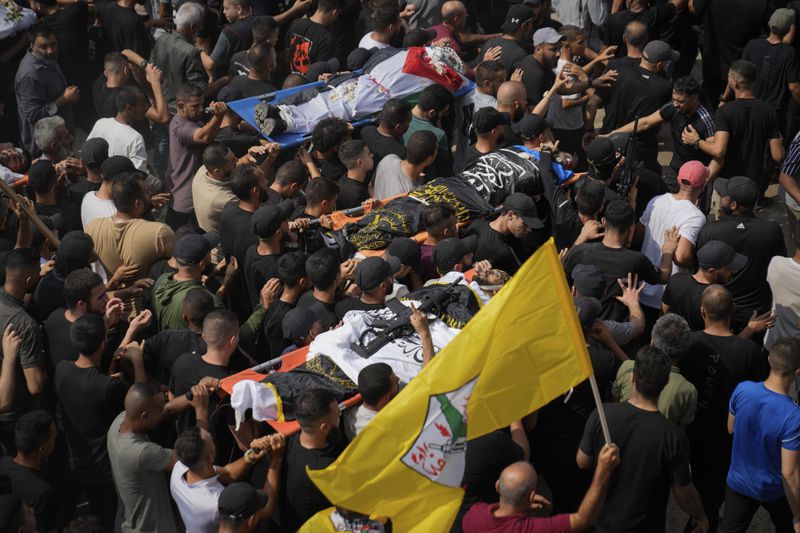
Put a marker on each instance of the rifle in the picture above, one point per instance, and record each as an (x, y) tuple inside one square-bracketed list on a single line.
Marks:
[(630, 172), (400, 326)]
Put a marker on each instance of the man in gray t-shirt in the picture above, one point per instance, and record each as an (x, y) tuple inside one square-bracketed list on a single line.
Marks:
[(138, 465)]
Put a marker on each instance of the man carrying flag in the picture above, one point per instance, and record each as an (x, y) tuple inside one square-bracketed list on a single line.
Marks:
[(524, 348)]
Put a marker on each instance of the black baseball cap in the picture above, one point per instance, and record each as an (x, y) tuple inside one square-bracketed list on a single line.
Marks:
[(75, 250), (601, 151), (268, 218), (720, 254), (114, 166), (517, 15), (588, 310), (523, 206), (589, 280), (239, 501), (488, 118), (530, 126), (741, 190), (373, 270), (94, 152), (298, 322), (193, 248), (230, 93), (406, 250), (448, 252)]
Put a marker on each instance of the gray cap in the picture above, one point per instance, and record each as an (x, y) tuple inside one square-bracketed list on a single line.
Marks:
[(547, 35), (657, 51)]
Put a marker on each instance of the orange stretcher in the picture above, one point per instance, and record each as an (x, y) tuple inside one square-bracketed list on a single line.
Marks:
[(285, 363)]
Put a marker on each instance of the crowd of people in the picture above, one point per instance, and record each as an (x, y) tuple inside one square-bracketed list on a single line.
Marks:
[(180, 244)]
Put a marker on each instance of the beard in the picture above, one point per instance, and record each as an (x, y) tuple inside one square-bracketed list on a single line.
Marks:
[(334, 436), (725, 210)]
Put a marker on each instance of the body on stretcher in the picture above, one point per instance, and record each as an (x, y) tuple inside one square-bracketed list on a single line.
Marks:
[(245, 108)]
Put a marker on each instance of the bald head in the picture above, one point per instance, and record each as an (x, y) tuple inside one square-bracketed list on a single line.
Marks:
[(717, 303), (515, 485), (452, 8), (510, 92), (635, 34), (141, 397)]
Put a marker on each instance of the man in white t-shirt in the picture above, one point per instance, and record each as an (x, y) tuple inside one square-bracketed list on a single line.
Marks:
[(98, 204), (386, 21), (669, 211), (783, 276), (118, 131), (195, 483)]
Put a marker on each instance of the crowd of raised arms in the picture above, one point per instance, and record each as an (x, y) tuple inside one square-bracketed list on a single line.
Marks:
[(194, 188)]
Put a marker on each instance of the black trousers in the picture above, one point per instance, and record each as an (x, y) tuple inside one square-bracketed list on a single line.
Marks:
[(739, 511)]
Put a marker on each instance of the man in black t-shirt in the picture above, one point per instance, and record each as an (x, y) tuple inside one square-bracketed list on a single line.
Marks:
[(637, 495), (654, 17), (374, 276), (263, 63), (35, 434), (309, 40), (638, 91), (292, 275), (124, 29), (715, 363), (717, 263), (317, 445), (616, 261), (500, 239), (756, 238), (746, 127), (387, 137), (517, 28), (324, 269), (353, 191), (270, 224), (538, 68), (684, 110)]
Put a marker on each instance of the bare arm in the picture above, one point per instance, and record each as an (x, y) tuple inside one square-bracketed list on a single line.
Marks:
[(520, 438), (594, 103), (158, 112), (794, 88), (790, 471), (206, 134), (11, 342), (645, 123), (297, 9), (468, 39), (35, 379), (776, 149), (689, 500), (684, 255), (671, 240), (790, 185), (731, 418), (272, 483), (593, 500), (419, 320)]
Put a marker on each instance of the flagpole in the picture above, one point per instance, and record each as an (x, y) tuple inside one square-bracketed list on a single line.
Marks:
[(600, 411)]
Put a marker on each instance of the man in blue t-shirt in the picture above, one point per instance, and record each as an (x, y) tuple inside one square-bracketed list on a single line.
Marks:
[(765, 464)]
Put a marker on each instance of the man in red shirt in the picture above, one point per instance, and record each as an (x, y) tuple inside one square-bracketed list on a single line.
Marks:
[(517, 489)]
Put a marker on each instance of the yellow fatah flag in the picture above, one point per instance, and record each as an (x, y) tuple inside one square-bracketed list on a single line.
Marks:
[(524, 348)]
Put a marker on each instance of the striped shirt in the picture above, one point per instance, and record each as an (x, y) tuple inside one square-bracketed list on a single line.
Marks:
[(791, 167)]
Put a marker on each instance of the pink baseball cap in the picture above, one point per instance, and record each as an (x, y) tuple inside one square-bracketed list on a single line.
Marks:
[(693, 174)]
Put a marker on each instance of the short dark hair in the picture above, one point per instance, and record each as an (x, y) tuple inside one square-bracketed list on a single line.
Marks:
[(40, 30), (22, 261), (350, 152), (784, 356), (686, 85), (197, 304), (87, 333), (220, 325), (375, 382), (190, 447), (436, 218), (292, 172), (329, 5), (243, 179), (244, 4), (421, 145), (619, 215), (292, 267), (114, 61), (188, 90), (747, 72), (384, 16), (128, 95), (42, 176), (320, 189), (394, 112), (262, 28), (590, 198), (259, 53), (435, 98), (651, 371), (215, 155), (312, 405), (322, 268), (78, 286), (487, 71), (32, 430), (329, 133), (126, 189)]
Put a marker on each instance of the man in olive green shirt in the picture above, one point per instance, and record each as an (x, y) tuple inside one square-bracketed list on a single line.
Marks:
[(678, 400)]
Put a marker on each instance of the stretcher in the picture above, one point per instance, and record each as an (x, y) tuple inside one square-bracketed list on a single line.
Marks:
[(245, 108), (285, 363)]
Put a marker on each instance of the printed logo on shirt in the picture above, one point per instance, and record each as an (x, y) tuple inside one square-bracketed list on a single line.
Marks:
[(740, 226), (439, 452), (300, 48)]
